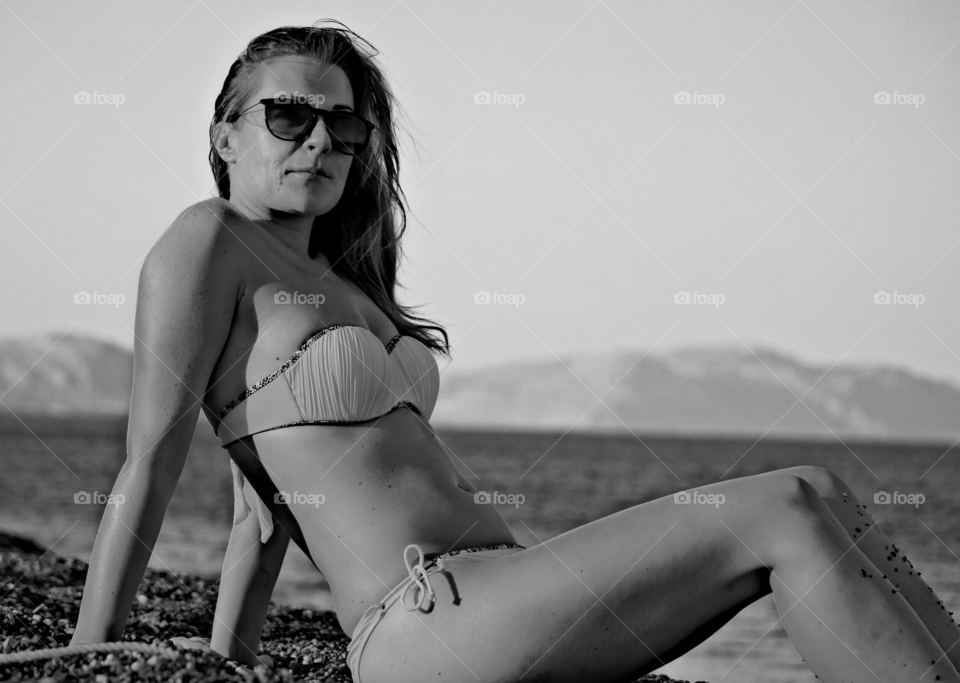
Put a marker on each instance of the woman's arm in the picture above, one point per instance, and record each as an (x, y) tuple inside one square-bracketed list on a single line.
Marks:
[(188, 289), (250, 571)]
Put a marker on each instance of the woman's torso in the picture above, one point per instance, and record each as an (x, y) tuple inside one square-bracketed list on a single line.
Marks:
[(384, 483)]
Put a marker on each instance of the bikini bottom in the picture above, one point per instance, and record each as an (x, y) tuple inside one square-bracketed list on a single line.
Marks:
[(419, 573)]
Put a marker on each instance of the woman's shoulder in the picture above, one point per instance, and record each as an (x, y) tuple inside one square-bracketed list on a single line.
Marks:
[(211, 217), (211, 230)]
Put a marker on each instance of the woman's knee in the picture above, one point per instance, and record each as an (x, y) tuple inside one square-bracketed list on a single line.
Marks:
[(769, 494), (785, 487), (790, 502), (825, 481), (794, 520), (781, 512)]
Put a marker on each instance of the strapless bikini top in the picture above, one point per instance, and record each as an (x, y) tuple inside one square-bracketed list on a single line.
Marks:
[(342, 374)]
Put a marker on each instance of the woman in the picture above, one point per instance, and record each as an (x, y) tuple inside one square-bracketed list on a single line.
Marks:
[(273, 308)]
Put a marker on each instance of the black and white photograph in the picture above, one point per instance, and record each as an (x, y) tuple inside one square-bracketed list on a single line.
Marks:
[(408, 341)]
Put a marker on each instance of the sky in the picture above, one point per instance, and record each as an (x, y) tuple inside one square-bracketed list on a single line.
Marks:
[(784, 164)]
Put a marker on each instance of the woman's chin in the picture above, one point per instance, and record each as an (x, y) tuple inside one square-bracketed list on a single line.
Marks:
[(307, 205)]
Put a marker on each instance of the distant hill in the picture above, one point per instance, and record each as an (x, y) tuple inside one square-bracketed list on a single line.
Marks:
[(707, 390), (79, 374), (703, 390)]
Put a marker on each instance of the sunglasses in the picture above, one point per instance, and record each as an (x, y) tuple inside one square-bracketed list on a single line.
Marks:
[(294, 121)]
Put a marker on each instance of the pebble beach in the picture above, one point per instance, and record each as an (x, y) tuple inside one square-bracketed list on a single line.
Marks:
[(40, 601)]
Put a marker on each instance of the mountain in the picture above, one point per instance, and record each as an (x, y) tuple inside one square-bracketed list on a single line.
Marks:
[(705, 390), (708, 390), (78, 374)]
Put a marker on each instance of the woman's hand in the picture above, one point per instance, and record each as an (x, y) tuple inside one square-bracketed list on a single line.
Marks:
[(194, 643), (203, 644)]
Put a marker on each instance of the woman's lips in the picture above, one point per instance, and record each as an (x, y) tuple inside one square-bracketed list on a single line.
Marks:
[(308, 174)]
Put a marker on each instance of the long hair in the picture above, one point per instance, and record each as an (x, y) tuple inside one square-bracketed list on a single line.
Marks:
[(361, 234)]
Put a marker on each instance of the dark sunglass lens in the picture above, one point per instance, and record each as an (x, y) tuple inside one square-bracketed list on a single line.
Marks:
[(348, 132), (288, 120), (348, 128)]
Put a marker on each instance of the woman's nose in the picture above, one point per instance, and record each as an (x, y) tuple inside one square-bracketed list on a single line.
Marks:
[(319, 137)]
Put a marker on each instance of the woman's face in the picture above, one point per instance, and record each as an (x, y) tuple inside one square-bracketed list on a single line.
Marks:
[(268, 173)]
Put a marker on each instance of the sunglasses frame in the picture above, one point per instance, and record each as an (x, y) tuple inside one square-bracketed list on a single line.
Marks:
[(316, 114)]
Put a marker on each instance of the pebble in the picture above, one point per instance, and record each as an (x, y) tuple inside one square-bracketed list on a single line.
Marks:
[(306, 645)]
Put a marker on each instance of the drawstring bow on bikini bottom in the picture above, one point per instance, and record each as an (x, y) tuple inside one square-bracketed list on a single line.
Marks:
[(418, 575)]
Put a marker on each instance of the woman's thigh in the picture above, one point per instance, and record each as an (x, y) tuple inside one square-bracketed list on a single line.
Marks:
[(608, 601)]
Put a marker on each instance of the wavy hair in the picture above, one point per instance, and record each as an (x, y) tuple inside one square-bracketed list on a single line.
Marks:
[(361, 234)]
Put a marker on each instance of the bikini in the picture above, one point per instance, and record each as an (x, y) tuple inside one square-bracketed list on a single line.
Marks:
[(340, 375), (343, 374), (418, 576)]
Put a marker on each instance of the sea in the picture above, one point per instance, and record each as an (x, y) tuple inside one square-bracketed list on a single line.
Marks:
[(566, 480)]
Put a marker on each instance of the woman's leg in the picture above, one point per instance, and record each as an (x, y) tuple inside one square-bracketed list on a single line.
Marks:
[(866, 533), (621, 596)]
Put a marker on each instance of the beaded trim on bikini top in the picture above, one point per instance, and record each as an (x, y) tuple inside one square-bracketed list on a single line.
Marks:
[(412, 378)]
